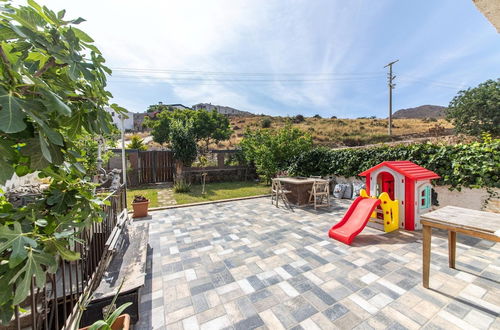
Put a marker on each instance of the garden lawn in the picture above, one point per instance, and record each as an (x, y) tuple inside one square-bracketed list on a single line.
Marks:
[(149, 193), (222, 190)]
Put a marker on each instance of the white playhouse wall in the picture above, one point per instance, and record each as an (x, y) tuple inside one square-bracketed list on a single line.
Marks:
[(399, 189)]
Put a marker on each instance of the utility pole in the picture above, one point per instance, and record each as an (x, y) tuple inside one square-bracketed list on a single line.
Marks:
[(391, 85)]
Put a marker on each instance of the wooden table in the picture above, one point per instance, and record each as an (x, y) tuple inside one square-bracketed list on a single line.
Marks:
[(455, 220), (299, 188)]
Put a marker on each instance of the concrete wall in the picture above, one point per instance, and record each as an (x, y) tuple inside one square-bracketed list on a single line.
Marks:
[(467, 198)]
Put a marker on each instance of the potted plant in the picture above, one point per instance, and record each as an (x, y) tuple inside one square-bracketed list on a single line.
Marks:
[(113, 318), (114, 321), (140, 205)]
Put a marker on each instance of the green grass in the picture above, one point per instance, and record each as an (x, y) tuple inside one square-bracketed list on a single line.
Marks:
[(149, 193), (222, 190), (214, 192)]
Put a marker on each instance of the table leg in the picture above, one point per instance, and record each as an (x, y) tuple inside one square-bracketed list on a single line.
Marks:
[(426, 256), (452, 248)]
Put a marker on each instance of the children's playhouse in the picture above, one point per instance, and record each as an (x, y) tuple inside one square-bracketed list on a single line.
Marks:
[(405, 182)]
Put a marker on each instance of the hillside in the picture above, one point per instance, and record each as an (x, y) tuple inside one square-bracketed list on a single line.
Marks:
[(338, 132), (423, 111)]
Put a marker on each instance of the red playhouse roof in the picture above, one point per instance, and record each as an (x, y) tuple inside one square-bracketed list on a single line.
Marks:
[(406, 168)]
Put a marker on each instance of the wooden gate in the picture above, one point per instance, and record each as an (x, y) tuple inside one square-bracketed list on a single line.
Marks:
[(156, 166)]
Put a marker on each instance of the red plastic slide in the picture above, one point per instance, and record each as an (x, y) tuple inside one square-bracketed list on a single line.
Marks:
[(354, 220)]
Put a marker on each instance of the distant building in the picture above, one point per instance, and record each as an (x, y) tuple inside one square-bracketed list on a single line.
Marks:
[(220, 109), (138, 118), (128, 123)]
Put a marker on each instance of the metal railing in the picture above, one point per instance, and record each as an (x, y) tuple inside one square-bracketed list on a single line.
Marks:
[(57, 304)]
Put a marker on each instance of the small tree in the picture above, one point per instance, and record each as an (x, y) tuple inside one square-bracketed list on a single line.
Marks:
[(137, 143), (183, 142), (271, 152), (477, 110), (211, 127), (207, 126)]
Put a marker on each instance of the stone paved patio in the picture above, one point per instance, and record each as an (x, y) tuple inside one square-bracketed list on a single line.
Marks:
[(248, 264)]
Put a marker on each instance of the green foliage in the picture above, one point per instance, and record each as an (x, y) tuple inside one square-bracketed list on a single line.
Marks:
[(472, 165), (211, 126), (271, 152), (87, 146), (181, 186), (266, 122), (207, 126), (183, 141), (477, 110), (137, 143), (159, 108), (52, 95)]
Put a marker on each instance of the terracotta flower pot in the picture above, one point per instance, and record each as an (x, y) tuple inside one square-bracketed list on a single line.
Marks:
[(122, 322), (140, 209)]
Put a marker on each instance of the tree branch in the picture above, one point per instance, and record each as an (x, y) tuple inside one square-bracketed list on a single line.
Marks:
[(6, 63), (50, 63)]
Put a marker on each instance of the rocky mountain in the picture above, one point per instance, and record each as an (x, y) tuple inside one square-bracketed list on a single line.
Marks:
[(423, 111)]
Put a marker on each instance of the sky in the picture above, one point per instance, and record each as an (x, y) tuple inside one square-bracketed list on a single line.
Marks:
[(289, 57)]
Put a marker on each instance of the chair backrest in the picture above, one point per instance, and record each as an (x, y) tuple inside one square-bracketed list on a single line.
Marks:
[(321, 186), (276, 185)]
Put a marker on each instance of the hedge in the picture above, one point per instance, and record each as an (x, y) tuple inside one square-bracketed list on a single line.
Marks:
[(474, 165)]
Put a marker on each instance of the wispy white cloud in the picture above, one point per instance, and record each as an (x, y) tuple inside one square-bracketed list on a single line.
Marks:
[(432, 40)]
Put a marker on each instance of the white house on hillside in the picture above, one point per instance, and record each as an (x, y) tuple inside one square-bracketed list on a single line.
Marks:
[(220, 109)]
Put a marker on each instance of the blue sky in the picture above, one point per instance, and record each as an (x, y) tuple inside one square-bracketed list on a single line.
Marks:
[(288, 57)]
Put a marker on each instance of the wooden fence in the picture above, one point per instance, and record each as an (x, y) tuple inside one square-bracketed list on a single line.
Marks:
[(156, 166)]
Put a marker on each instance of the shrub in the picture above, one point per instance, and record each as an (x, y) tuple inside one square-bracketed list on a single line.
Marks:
[(181, 186), (477, 110), (298, 119), (266, 122), (472, 165), (137, 143), (271, 152), (333, 117), (317, 116)]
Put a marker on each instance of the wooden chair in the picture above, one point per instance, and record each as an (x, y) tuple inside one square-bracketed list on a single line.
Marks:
[(277, 192), (320, 193)]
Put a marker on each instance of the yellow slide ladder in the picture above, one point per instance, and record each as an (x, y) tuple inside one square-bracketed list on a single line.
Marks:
[(390, 210)]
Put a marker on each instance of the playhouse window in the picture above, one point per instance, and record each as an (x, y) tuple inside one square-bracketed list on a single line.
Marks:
[(425, 198)]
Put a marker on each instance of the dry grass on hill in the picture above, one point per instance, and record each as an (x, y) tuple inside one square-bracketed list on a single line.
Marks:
[(345, 132), (338, 132)]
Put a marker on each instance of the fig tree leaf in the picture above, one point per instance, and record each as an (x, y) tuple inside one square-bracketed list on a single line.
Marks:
[(11, 114)]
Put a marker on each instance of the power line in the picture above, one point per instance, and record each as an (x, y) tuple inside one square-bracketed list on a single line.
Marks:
[(201, 72)]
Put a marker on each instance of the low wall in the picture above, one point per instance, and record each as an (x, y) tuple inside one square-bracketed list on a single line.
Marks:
[(467, 198), (229, 173)]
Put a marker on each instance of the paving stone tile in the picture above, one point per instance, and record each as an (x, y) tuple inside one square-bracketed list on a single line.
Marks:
[(179, 314), (335, 312), (220, 322), (201, 288), (250, 323), (270, 320), (350, 320), (210, 314), (300, 309)]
